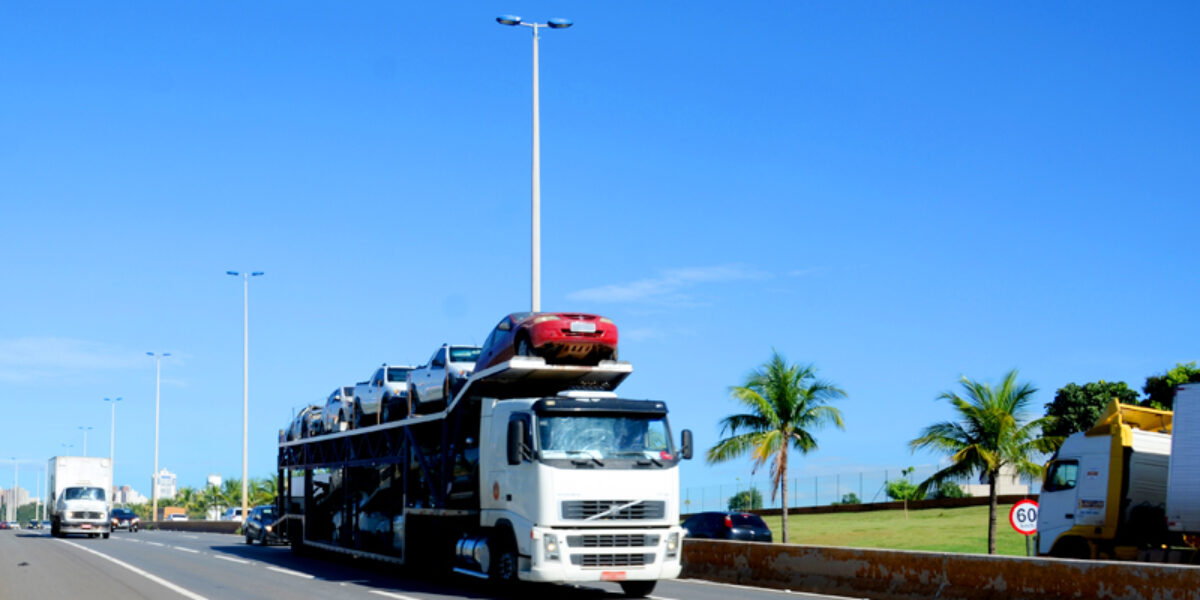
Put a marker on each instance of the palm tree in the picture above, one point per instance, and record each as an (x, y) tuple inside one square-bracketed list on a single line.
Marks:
[(262, 491), (185, 497), (231, 492), (784, 403), (992, 433)]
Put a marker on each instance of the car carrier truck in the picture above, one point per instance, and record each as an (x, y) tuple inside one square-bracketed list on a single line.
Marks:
[(532, 472), (79, 489), (1128, 488)]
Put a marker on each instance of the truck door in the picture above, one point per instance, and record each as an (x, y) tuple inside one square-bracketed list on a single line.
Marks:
[(1056, 505)]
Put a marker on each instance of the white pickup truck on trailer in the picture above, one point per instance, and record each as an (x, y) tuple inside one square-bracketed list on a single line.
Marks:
[(533, 472), (1128, 488)]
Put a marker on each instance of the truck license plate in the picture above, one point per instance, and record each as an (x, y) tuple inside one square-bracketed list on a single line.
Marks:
[(583, 327), (86, 526), (612, 576)]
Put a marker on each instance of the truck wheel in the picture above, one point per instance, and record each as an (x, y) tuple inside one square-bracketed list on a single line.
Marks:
[(415, 399), (358, 416), (505, 560), (385, 413), (105, 535), (1072, 547), (637, 589)]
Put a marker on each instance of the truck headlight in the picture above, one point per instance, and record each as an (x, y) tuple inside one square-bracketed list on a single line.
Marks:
[(550, 546), (673, 545)]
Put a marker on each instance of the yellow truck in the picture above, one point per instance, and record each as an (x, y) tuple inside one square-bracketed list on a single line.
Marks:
[(1128, 488)]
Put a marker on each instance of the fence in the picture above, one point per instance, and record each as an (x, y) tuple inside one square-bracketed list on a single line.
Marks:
[(818, 490)]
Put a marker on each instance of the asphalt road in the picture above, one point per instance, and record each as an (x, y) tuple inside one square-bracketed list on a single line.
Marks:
[(162, 564)]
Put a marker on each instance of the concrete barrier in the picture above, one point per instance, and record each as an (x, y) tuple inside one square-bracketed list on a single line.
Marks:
[(202, 526), (903, 575)]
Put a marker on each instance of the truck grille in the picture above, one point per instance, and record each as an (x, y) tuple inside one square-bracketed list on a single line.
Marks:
[(612, 560), (586, 509), (612, 541), (84, 515)]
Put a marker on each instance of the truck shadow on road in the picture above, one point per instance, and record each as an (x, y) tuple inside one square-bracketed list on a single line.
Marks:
[(379, 575)]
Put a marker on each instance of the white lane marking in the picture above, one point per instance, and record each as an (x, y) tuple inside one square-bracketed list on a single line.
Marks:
[(156, 544), (231, 559), (659, 598), (291, 572), (391, 595), (186, 549), (192, 537), (156, 579)]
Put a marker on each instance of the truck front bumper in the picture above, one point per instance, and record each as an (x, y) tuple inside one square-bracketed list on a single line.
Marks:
[(84, 526), (560, 555)]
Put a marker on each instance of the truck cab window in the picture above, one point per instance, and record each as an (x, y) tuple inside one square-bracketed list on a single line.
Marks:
[(1064, 474)]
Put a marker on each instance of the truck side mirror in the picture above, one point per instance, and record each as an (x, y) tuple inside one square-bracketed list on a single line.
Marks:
[(516, 441), (685, 446)]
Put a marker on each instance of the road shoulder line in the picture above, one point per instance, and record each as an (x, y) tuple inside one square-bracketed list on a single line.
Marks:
[(155, 578)]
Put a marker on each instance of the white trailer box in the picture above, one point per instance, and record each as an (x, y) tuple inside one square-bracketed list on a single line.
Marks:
[(1183, 481), (80, 490)]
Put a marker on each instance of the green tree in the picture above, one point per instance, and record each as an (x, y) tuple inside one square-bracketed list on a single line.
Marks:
[(1160, 389), (849, 498), (903, 489), (1076, 408), (948, 489), (231, 492), (262, 491), (991, 433), (785, 403), (750, 499)]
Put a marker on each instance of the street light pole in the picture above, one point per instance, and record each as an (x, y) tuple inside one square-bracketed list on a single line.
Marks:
[(157, 388), (112, 434), (245, 384), (85, 430), (536, 183)]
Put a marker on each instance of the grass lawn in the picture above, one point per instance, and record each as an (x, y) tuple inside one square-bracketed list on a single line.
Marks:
[(934, 529)]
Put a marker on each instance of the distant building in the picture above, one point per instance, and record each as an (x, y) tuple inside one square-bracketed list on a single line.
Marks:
[(214, 480), (13, 499), (1008, 482), (166, 482), (127, 495)]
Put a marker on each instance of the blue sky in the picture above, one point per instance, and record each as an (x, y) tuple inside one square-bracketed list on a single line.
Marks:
[(900, 193)]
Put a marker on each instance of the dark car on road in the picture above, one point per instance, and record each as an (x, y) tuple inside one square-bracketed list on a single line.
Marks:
[(260, 526), (123, 518), (746, 527)]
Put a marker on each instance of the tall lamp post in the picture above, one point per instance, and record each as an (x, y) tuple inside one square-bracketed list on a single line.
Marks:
[(157, 388), (112, 434), (513, 20), (85, 430), (245, 383)]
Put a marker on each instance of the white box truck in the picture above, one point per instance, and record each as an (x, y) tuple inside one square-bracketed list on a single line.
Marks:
[(79, 501), (1128, 488)]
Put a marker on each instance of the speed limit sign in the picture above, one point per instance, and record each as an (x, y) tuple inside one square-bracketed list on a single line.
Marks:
[(1023, 517)]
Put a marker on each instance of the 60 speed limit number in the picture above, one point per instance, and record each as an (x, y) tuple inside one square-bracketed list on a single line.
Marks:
[(1023, 517)]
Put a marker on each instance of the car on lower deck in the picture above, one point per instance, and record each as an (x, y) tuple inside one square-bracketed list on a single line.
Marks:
[(338, 414)]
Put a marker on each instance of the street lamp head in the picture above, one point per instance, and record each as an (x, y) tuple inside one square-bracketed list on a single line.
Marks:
[(234, 273), (508, 20), (559, 23), (117, 399), (257, 273)]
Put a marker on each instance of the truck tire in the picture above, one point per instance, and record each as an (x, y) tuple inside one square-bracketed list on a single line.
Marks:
[(105, 535), (505, 560), (1072, 547), (637, 589), (358, 416)]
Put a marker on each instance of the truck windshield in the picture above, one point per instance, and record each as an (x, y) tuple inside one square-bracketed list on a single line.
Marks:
[(600, 437), (83, 493), (397, 374)]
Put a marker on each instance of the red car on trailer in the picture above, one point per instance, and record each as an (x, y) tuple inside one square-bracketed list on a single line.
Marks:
[(563, 338)]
